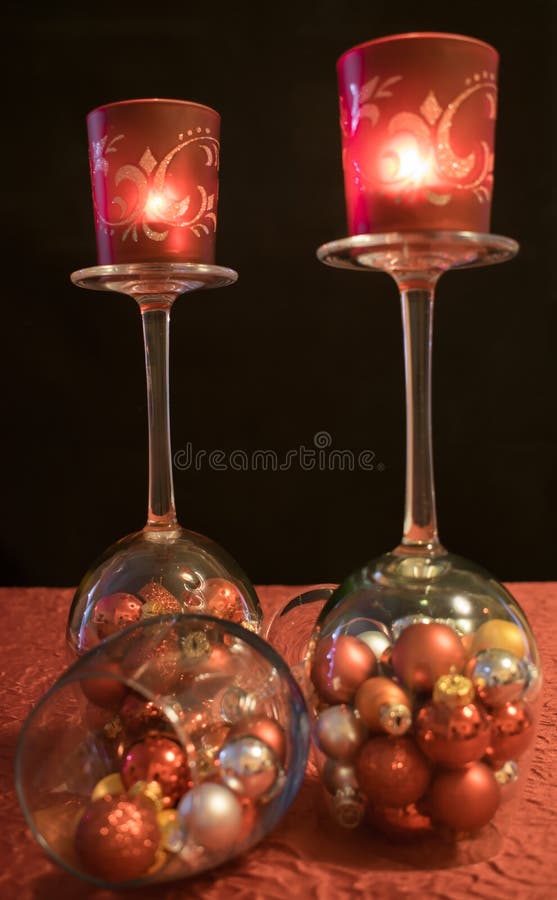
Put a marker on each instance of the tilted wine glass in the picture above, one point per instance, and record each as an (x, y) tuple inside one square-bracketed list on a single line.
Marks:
[(422, 668), (154, 170)]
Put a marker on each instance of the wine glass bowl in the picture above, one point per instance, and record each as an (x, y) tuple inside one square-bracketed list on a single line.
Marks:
[(168, 748), (156, 572)]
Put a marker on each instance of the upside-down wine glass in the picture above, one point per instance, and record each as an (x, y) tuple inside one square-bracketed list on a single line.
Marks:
[(422, 668), (154, 170)]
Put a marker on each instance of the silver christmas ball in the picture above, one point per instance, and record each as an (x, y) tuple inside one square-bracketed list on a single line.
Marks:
[(348, 808), (339, 732), (236, 703), (499, 677), (248, 766), (336, 776), (376, 641), (212, 816)]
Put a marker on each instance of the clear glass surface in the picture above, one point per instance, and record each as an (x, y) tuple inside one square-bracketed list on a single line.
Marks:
[(188, 729)]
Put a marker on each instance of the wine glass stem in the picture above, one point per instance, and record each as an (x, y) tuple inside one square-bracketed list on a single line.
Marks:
[(420, 519), (156, 320)]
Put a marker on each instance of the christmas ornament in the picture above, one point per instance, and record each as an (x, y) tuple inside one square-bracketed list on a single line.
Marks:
[(392, 771), (110, 785), (172, 832), (464, 799), (401, 823), (107, 689), (339, 732), (338, 776), (377, 641), (347, 807), (512, 731), (452, 730), (138, 716), (223, 600), (501, 635), (117, 838), (114, 612), (158, 601), (212, 816), (498, 676), (248, 766), (264, 728), (340, 665), (384, 706), (159, 759), (158, 664), (507, 778), (423, 653)]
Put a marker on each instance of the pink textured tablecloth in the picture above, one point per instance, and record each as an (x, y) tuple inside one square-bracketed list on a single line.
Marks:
[(305, 857)]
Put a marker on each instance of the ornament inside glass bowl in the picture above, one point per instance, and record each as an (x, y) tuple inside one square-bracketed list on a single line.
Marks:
[(172, 746), (425, 678), (157, 572)]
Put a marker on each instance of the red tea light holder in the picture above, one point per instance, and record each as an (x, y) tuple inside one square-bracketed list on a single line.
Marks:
[(422, 669), (154, 172)]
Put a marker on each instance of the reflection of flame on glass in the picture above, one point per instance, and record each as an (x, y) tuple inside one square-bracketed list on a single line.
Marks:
[(156, 205), (402, 161)]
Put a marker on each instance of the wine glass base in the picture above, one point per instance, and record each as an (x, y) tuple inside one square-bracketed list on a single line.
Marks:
[(157, 572), (417, 251), (167, 280)]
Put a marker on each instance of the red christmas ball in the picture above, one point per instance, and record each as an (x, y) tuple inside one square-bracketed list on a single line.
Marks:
[(512, 731), (266, 729), (424, 652), (104, 690), (117, 838), (159, 759), (384, 706), (392, 771), (464, 799), (138, 716), (114, 612), (224, 600), (452, 737), (340, 665)]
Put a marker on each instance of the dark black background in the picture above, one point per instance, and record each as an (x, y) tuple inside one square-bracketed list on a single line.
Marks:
[(294, 347)]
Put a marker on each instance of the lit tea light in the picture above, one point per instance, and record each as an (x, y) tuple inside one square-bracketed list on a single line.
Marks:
[(154, 172), (418, 119)]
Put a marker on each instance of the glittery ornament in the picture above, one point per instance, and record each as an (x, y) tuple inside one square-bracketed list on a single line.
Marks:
[(498, 676), (248, 766), (224, 600), (339, 667), (423, 653), (158, 601), (501, 635), (264, 728), (117, 838), (159, 665), (212, 816), (114, 612), (384, 706), (104, 689), (512, 731), (464, 799), (392, 771), (339, 732), (138, 716), (158, 759), (452, 730)]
